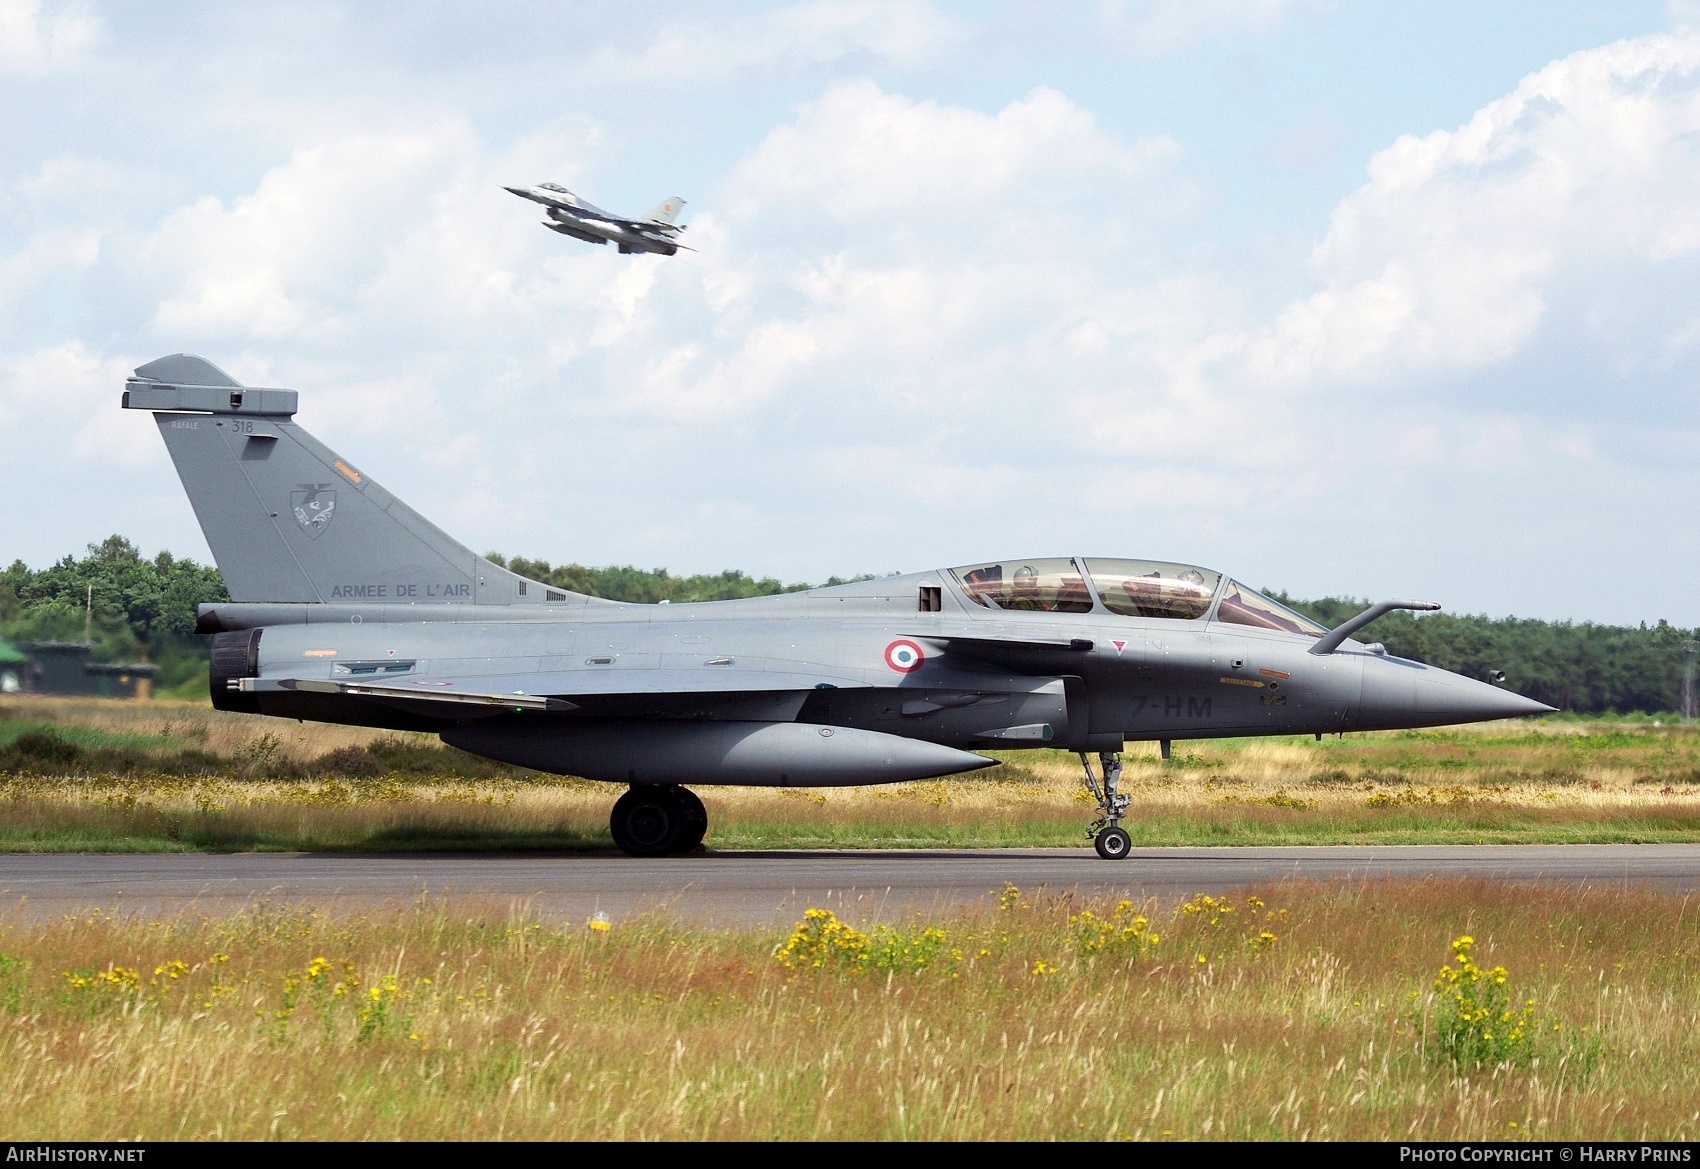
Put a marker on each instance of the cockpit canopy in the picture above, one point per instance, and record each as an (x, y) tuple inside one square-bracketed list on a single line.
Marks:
[(1130, 588), (1243, 606), (1049, 585), (1148, 588)]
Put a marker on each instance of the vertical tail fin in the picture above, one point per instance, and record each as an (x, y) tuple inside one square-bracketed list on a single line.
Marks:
[(668, 210), (288, 519)]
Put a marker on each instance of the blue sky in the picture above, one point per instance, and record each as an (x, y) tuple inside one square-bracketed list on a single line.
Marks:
[(1369, 299)]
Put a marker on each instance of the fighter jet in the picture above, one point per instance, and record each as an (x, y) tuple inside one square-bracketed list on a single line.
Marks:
[(570, 215), (346, 606)]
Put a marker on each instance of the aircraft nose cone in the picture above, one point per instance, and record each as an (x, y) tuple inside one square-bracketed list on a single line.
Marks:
[(1402, 694), (1470, 701), (1529, 707)]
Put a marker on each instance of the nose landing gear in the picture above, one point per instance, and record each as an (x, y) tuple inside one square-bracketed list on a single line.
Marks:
[(1108, 836), (654, 819)]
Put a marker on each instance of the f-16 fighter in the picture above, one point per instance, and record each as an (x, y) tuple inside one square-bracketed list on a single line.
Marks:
[(570, 215)]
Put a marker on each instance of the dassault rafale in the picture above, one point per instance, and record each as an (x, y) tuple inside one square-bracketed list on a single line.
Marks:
[(571, 215), (349, 607)]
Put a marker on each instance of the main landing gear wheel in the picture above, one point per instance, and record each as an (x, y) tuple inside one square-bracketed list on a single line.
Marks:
[(654, 819), (695, 821), (1108, 836)]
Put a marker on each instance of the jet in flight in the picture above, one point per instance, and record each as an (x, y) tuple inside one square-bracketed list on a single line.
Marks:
[(346, 606), (570, 215)]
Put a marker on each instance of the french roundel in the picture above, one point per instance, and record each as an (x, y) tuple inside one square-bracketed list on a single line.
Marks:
[(904, 656)]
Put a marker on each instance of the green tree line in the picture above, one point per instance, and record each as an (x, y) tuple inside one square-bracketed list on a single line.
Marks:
[(651, 586), (139, 608), (130, 607)]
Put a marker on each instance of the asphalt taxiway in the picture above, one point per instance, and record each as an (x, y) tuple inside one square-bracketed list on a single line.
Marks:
[(749, 888)]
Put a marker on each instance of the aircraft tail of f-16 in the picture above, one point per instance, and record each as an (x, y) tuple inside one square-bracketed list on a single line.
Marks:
[(667, 210)]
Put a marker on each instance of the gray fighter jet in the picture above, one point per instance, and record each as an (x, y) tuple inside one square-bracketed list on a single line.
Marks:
[(570, 215), (349, 607)]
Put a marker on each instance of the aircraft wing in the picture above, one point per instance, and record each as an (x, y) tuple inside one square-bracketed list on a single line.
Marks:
[(761, 695), (514, 701), (565, 201), (578, 208), (556, 691), (641, 224)]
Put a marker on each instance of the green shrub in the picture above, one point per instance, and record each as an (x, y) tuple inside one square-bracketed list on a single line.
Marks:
[(1477, 1022)]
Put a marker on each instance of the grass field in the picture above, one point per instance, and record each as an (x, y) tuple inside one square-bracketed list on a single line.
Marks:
[(88, 774), (1290, 1012)]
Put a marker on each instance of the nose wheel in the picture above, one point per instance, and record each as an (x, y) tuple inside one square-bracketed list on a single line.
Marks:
[(654, 819), (1108, 836), (1112, 842)]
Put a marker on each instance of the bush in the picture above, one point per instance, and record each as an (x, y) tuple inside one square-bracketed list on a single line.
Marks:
[(821, 940), (350, 761), (45, 753), (1123, 934), (1475, 1022), (34, 750)]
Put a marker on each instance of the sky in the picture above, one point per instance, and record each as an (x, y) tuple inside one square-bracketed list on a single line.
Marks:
[(1368, 299)]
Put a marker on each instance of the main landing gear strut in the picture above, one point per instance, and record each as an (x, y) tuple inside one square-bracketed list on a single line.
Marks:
[(658, 819), (1108, 836)]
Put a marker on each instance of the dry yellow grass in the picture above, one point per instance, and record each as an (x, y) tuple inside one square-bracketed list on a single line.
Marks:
[(165, 721), (1006, 1023)]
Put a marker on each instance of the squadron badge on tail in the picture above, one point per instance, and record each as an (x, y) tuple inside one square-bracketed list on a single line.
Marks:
[(314, 506)]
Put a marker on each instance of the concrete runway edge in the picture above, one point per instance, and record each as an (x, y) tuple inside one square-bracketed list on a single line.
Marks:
[(737, 889)]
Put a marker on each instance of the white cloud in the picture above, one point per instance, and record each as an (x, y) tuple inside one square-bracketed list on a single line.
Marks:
[(793, 37), (968, 249), (1451, 256), (900, 242), (46, 255), (1151, 27), (69, 389), (33, 42), (961, 297), (860, 152), (289, 257)]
